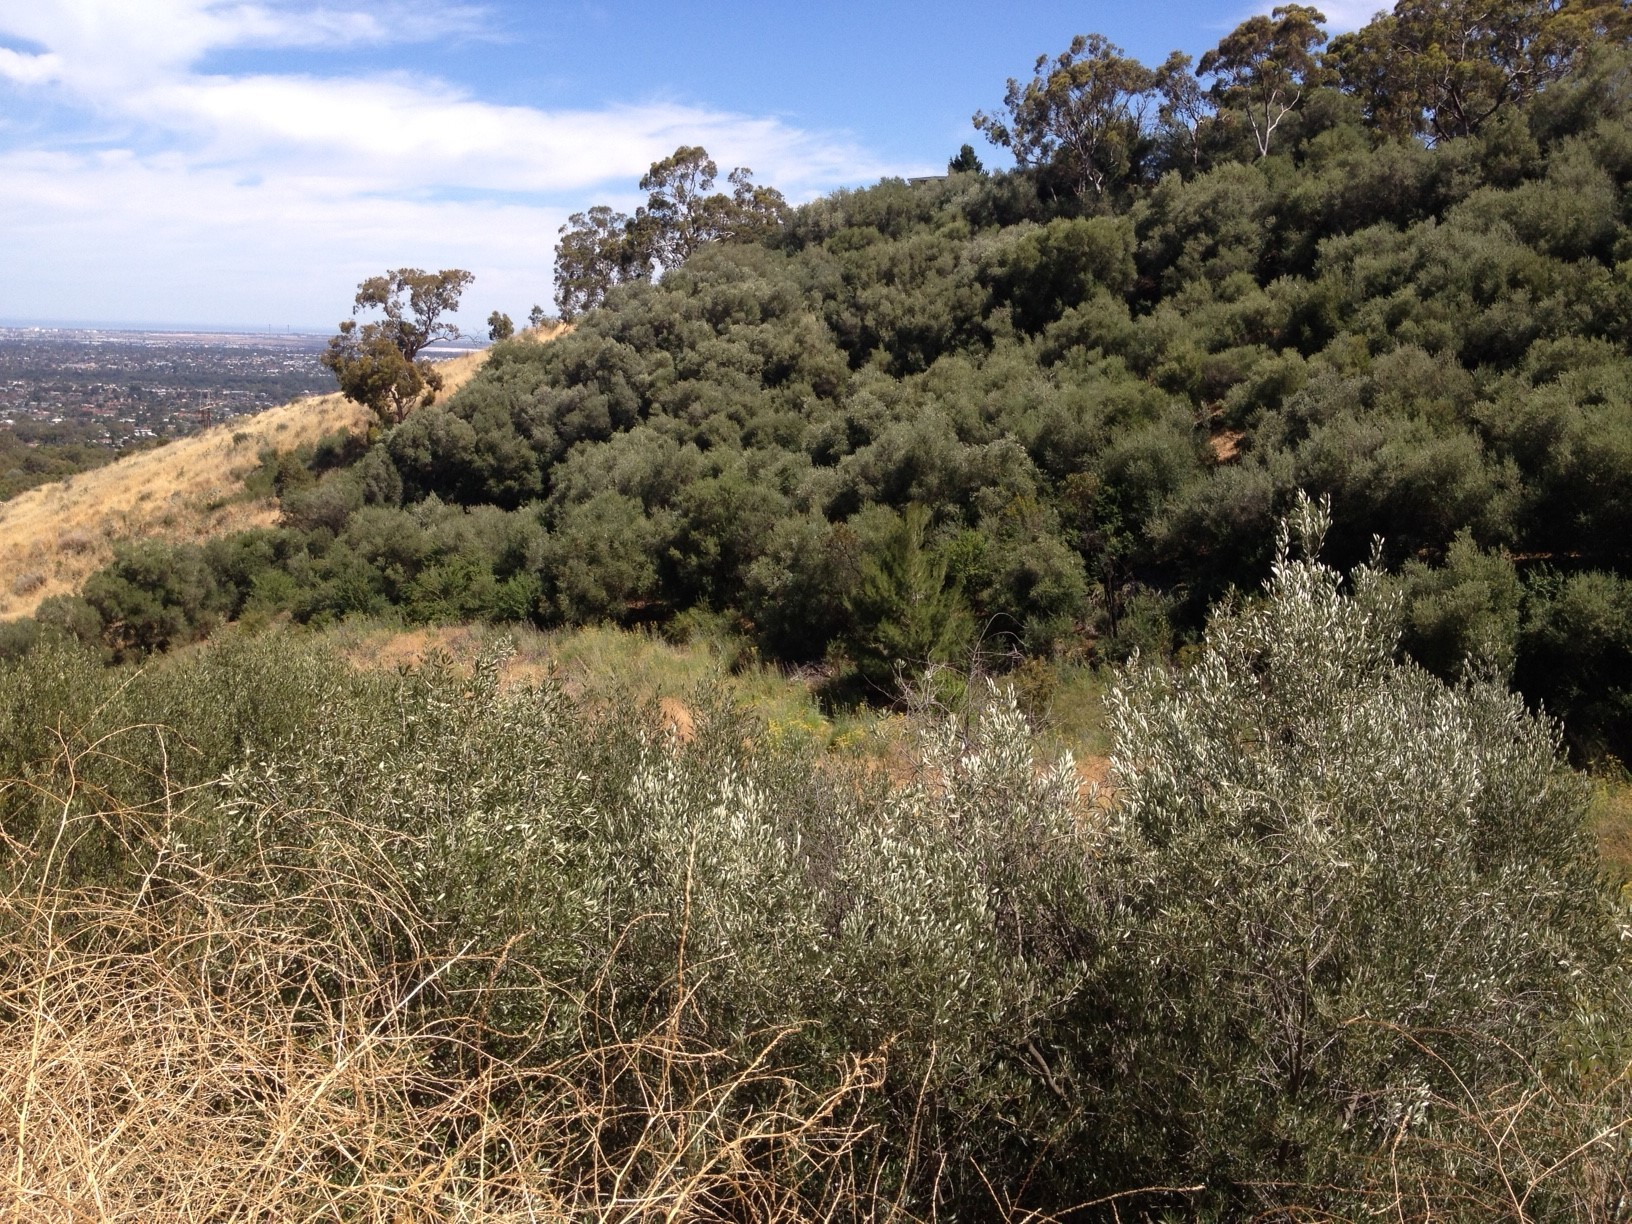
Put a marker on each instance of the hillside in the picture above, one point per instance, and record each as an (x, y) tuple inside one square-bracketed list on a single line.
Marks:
[(970, 422), (290, 939), (1086, 693), (54, 536)]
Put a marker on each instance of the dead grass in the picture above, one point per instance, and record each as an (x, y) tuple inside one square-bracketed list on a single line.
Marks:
[(1611, 818), (184, 490), (1226, 445), (212, 1044), (600, 663), (1530, 1150), (58, 534), (140, 1086)]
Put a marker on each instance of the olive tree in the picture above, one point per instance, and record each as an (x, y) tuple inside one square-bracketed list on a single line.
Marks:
[(1367, 892)]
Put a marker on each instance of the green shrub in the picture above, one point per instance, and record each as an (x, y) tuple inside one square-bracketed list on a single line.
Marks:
[(600, 559), (1465, 612), (1432, 336), (906, 614), (155, 595), (1368, 889), (1575, 657)]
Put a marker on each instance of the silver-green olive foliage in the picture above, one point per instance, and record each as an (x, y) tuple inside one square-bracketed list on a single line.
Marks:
[(1355, 863)]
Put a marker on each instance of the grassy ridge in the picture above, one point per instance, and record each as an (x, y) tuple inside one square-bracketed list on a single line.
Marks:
[(56, 534)]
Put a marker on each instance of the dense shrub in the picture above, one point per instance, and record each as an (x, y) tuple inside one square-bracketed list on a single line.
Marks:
[(1575, 654), (1322, 823), (1334, 913), (1098, 402)]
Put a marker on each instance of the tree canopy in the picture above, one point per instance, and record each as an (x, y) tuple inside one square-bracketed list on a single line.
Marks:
[(1081, 113), (1441, 68), (379, 364), (1265, 65), (602, 248)]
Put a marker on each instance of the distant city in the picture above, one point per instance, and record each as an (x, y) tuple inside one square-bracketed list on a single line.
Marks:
[(115, 388), (120, 387)]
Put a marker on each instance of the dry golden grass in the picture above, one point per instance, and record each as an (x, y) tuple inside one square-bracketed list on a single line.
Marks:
[(1612, 824), (1527, 1151), (1226, 445), (248, 1044), (603, 664), (55, 536), (135, 1090)]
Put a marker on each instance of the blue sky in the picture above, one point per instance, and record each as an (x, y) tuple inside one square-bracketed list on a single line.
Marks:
[(238, 163)]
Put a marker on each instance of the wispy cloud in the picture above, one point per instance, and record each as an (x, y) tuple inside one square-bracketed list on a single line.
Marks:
[(28, 69), (106, 42), (1345, 15), (196, 193), (1341, 15)]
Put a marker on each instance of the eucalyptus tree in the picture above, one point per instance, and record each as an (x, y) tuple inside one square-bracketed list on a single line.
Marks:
[(1265, 66), (1185, 110), (602, 248), (1083, 112), (378, 364), (597, 251), (683, 211), (1440, 68)]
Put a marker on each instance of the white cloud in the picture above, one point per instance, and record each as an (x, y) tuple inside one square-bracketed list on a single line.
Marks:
[(282, 250), (268, 196), (411, 134), (29, 69), (108, 42), (1345, 15)]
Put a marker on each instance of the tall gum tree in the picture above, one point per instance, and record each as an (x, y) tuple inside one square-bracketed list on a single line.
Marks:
[(378, 363), (1438, 69), (602, 248), (1265, 65), (1083, 112), (1185, 111)]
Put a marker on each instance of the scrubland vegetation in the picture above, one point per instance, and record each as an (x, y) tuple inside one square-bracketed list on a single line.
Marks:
[(916, 419), (290, 939), (1277, 437), (208, 484)]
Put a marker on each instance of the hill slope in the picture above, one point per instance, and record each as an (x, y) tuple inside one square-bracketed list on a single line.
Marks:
[(54, 536)]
